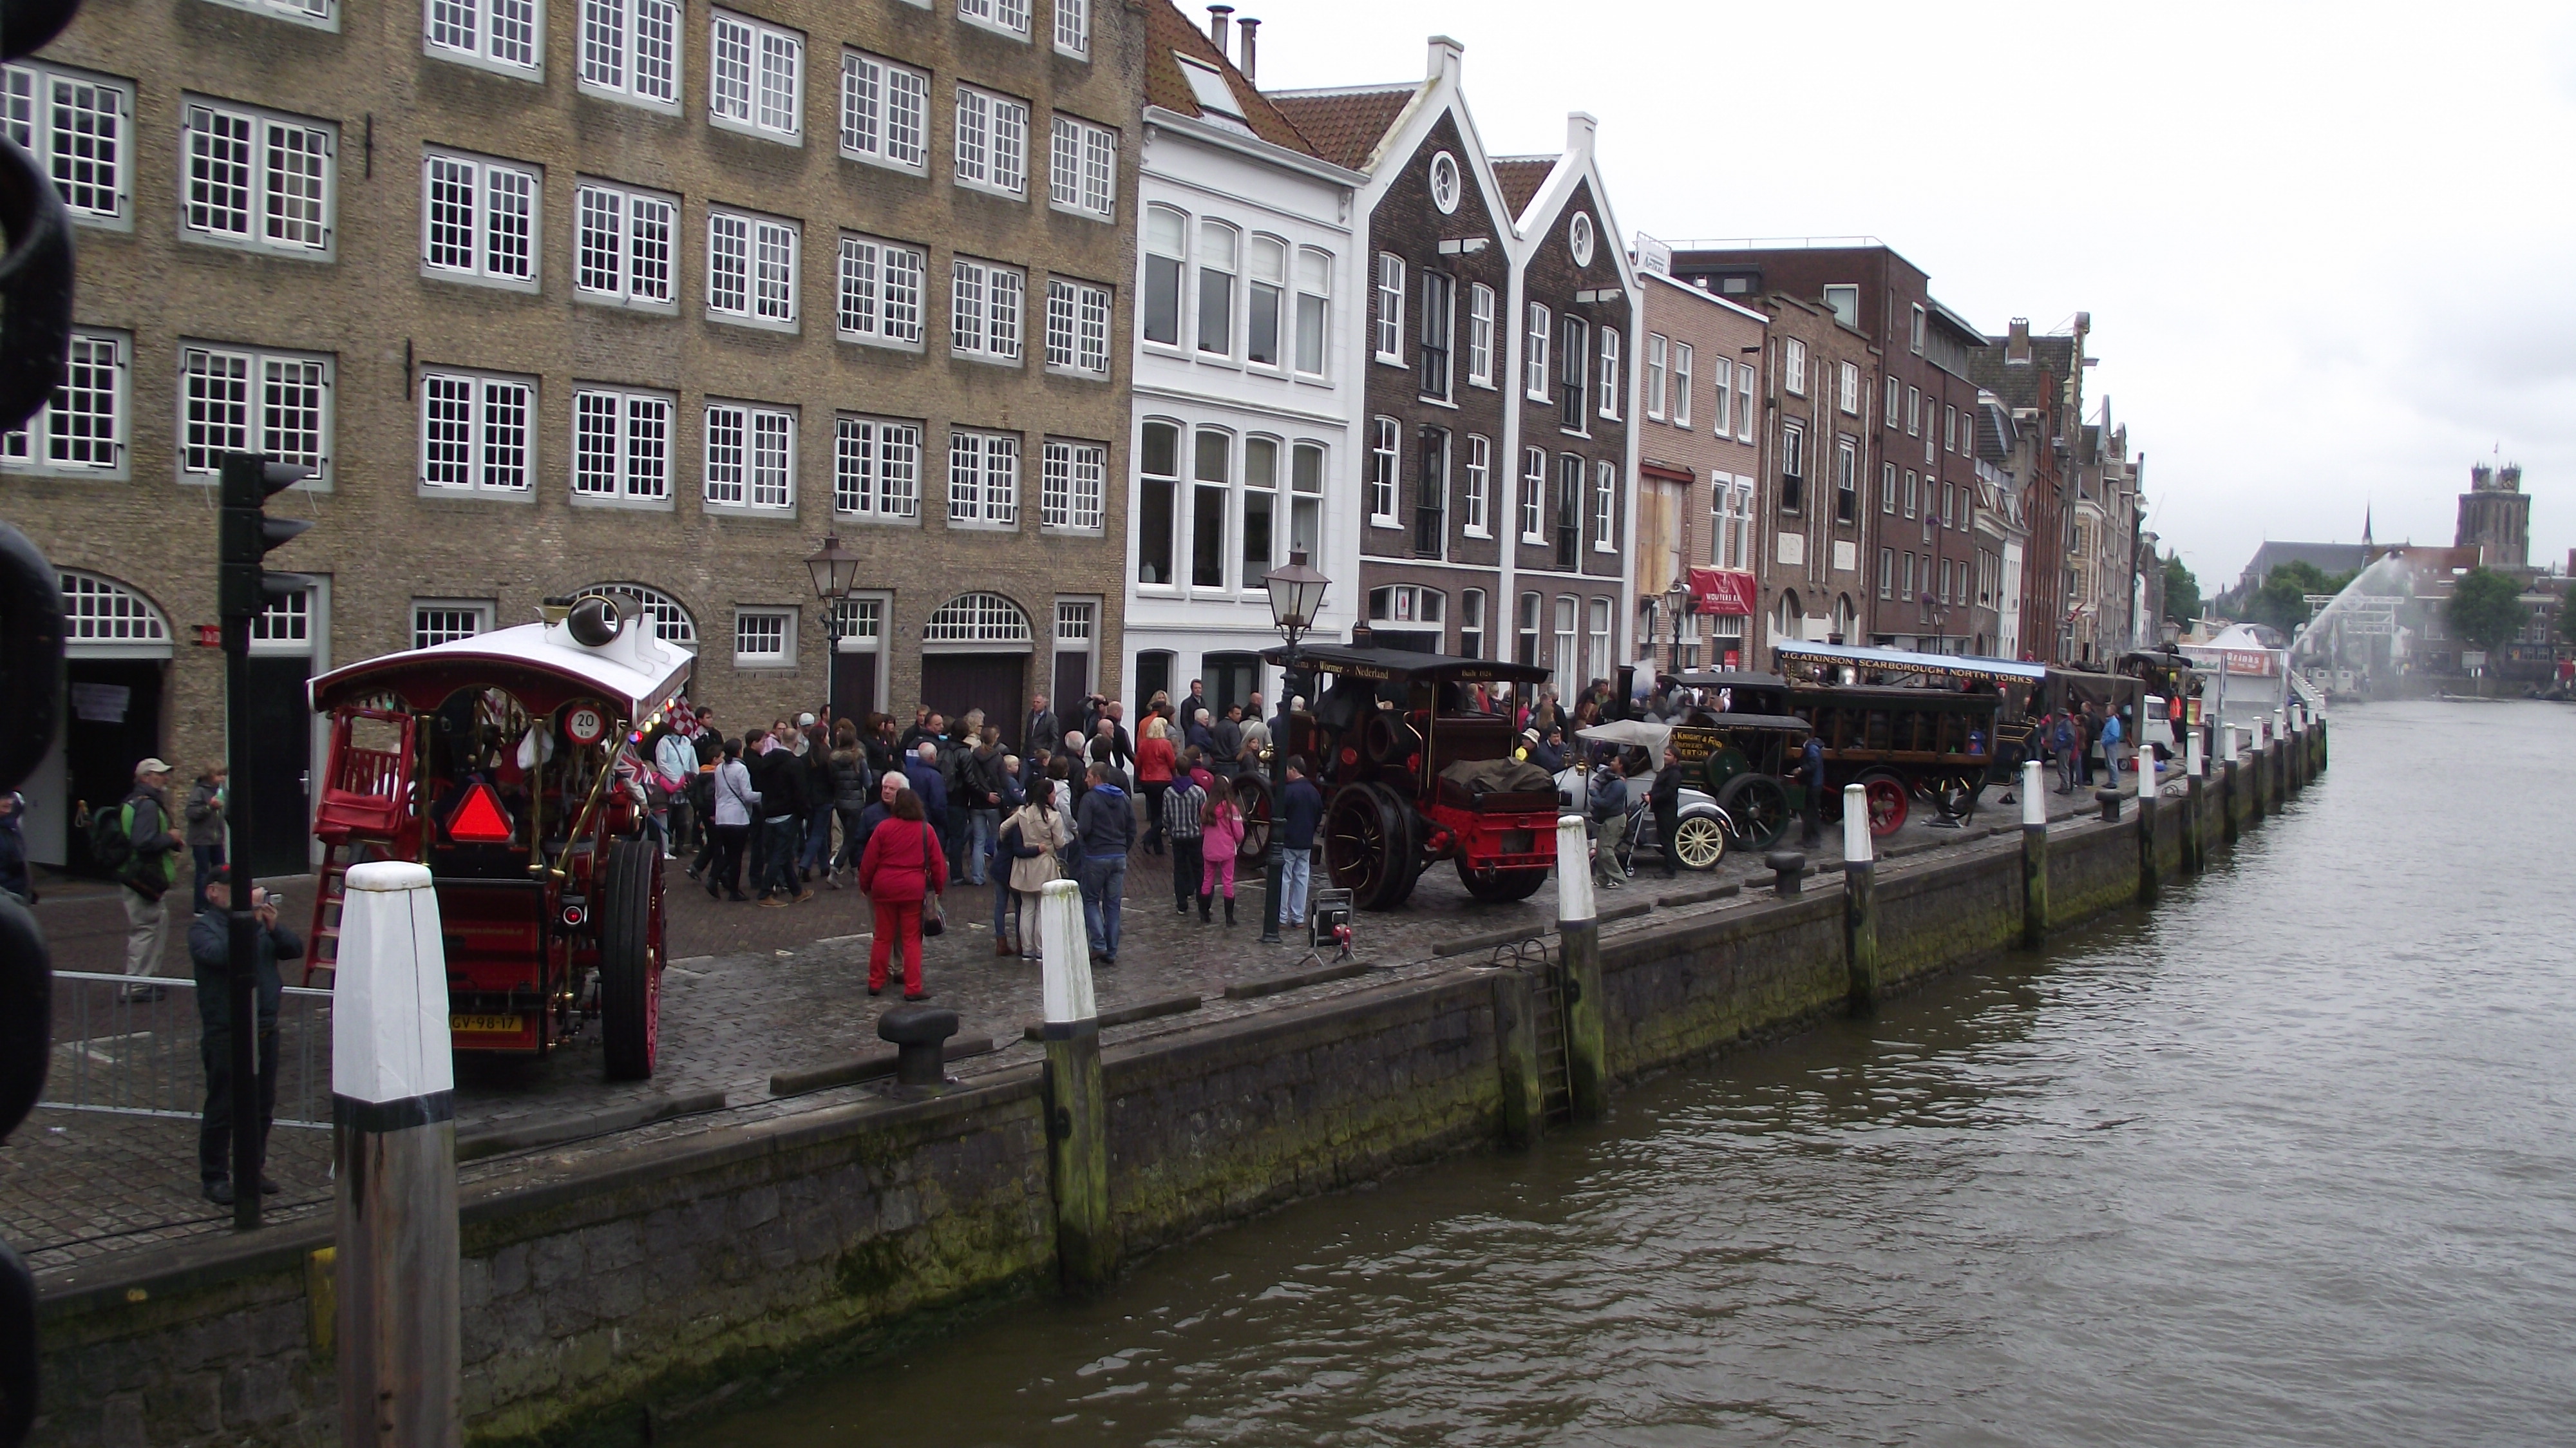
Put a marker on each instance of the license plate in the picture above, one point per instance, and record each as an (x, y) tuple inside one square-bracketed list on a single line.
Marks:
[(486, 1025)]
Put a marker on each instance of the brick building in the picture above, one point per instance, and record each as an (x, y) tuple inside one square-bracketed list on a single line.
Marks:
[(2039, 384), (628, 293), (1699, 466)]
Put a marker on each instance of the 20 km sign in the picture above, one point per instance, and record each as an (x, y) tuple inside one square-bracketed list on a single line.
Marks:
[(584, 724)]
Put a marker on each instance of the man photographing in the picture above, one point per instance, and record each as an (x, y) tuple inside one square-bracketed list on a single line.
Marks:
[(210, 947)]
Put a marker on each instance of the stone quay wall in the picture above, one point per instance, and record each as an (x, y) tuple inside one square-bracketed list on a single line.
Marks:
[(661, 1281)]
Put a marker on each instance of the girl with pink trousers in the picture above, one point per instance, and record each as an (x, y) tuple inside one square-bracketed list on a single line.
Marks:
[(1220, 835)]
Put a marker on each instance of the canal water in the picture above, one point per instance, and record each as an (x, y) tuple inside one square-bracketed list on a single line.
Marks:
[(2286, 1161)]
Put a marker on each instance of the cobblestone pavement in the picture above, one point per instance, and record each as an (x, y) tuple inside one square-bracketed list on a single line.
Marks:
[(751, 992)]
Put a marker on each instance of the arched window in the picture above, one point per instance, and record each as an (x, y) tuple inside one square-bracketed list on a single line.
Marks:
[(978, 618), (671, 621), (1787, 618), (103, 615)]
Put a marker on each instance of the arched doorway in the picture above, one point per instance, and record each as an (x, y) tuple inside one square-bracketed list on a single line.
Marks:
[(116, 658), (975, 655)]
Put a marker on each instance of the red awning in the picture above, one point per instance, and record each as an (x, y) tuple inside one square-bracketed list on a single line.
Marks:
[(1724, 590)]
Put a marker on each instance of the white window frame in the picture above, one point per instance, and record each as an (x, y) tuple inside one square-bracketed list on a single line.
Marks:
[(1793, 366), (1388, 335), (761, 91), (885, 113), (1895, 401), (764, 622), (31, 449), (1533, 498), (1610, 392), (1002, 17), (261, 366), (1077, 327), (1313, 283), (1534, 369), (765, 473), (1073, 28), (1657, 373), (1848, 398), (1605, 507), (1385, 471), (992, 143), (1682, 384), (1163, 257), (637, 213), (473, 32), (881, 292), (1480, 335), (1913, 412), (637, 476), (983, 479), (1744, 410), (1074, 486), (631, 51), (766, 283), (85, 145), (876, 469), (1266, 264), (319, 14), (1220, 261), (491, 457), (270, 135), (1479, 486), (436, 621), (1082, 168), (496, 190), (988, 306)]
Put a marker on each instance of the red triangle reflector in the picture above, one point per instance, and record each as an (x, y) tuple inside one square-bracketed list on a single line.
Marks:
[(479, 820)]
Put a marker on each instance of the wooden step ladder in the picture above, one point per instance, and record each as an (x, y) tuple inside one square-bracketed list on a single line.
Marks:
[(1556, 1087), (330, 894)]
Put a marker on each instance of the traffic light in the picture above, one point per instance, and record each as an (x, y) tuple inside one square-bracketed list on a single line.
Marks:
[(248, 534)]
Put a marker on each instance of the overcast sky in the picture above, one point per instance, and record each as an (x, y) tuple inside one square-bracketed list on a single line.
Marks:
[(2325, 248)]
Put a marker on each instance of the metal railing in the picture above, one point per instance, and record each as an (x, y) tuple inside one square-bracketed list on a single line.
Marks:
[(131, 1045)]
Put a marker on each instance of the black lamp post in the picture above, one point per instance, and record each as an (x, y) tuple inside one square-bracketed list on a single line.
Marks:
[(1676, 599), (836, 572), (1296, 596)]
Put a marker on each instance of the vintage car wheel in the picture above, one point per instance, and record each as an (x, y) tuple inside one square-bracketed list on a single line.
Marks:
[(1699, 840), (1502, 884), (1957, 798), (1888, 804), (1252, 796), (1723, 765), (1369, 847), (630, 960), (1757, 811)]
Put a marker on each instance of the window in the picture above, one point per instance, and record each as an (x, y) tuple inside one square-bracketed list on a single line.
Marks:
[(981, 618), (322, 14), (1945, 580), (1610, 373), (262, 402), (1844, 302), (1073, 27), (1793, 366), (983, 479), (630, 50), (1846, 480), (258, 179), (1913, 411), (764, 638), (502, 34), (1215, 98), (1849, 398), (1381, 473), (1212, 479), (1919, 320), (1444, 183), (1725, 408), (1439, 333), (1912, 488), (1314, 287), (477, 432), (1266, 295), (1578, 238), (1306, 503), (1077, 327), (756, 80), (1569, 510), (1908, 577), (876, 469), (1534, 496), (1886, 572), (1744, 402), (1082, 169), (1574, 374), (1390, 309), (1658, 368), (439, 621), (1887, 488), (1216, 288), (1605, 507), (1949, 493), (885, 112), (1531, 605), (80, 431), (751, 269), (1166, 245), (621, 446), (1565, 663), (1480, 335), (751, 456), (1479, 485), (1011, 17), (992, 142), (1158, 469), (1949, 429), (1793, 468), (478, 219), (1260, 508), (880, 291), (1073, 485), (984, 304), (1431, 495), (1597, 659), (76, 126), (1534, 360), (1471, 623), (1731, 539), (623, 245), (1407, 603), (1682, 385), (1895, 402)]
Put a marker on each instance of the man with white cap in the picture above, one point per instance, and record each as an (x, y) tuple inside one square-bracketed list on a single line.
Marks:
[(140, 843)]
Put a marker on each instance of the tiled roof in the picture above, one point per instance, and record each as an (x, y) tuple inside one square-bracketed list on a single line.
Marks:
[(1345, 126), (1520, 177), (2018, 385), (1167, 30)]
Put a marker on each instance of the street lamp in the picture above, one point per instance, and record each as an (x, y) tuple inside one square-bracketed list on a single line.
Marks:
[(836, 572), (1940, 613), (1676, 599), (1296, 596)]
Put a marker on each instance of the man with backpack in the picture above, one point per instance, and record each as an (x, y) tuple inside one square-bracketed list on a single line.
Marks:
[(137, 841)]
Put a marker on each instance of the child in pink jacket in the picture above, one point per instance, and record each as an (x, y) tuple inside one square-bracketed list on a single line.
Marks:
[(1220, 835)]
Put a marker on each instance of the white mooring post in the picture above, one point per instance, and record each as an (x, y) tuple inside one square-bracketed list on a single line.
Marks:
[(393, 1103), (2034, 853), (1086, 1238), (1578, 930), (2195, 766), (1860, 901)]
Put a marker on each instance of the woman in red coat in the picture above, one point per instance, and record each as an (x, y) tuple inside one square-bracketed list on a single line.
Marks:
[(902, 864)]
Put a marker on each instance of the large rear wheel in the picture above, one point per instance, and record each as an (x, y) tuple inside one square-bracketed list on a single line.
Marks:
[(1757, 810), (1369, 846), (630, 960), (1888, 803)]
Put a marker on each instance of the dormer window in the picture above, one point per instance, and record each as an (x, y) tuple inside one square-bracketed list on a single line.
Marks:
[(1215, 98)]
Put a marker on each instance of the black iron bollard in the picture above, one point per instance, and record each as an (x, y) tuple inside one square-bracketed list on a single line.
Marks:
[(2109, 800), (1788, 870), (919, 1034)]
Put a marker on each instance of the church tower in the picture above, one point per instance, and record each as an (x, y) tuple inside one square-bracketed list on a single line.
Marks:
[(2495, 518)]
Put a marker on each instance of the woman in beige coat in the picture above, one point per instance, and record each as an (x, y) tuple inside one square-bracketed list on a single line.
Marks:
[(1033, 840)]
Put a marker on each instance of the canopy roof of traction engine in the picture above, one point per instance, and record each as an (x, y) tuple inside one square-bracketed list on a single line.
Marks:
[(540, 664), (1899, 661), (1404, 664)]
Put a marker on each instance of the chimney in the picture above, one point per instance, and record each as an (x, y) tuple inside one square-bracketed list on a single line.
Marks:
[(1251, 33), (1447, 58), (1217, 26), (1579, 130), (2017, 343)]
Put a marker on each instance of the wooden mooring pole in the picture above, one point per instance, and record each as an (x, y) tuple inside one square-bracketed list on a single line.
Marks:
[(2034, 854), (1860, 902), (1578, 926), (1077, 1105)]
